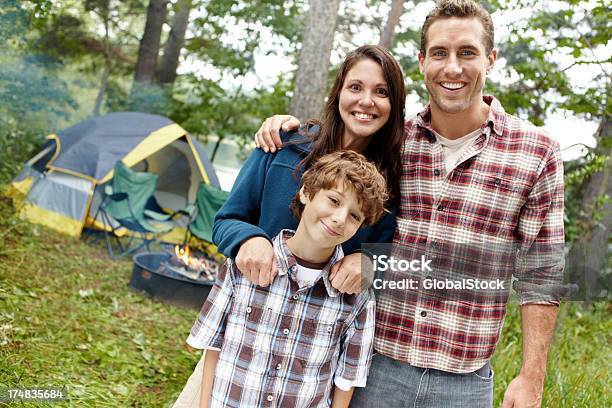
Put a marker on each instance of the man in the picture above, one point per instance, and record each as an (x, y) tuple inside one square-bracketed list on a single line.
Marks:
[(472, 175)]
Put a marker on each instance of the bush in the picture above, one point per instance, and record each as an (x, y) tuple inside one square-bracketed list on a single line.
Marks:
[(16, 147)]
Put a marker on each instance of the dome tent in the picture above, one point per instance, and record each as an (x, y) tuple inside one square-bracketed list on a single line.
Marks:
[(64, 182)]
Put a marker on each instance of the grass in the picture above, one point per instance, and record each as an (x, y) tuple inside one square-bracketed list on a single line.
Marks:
[(68, 319)]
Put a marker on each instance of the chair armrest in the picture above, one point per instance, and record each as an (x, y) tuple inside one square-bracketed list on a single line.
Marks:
[(189, 210), (156, 216)]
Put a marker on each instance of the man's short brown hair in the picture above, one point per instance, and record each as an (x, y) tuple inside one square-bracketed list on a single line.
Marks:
[(462, 9), (351, 170)]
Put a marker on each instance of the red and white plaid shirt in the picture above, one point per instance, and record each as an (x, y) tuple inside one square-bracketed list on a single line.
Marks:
[(284, 345), (504, 193)]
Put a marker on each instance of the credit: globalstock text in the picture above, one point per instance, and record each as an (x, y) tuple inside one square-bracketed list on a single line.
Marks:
[(383, 263), (431, 283)]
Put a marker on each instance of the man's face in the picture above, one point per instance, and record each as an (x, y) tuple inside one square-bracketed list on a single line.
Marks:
[(332, 216), (455, 64)]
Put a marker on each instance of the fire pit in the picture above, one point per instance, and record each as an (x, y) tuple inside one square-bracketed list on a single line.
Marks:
[(165, 276)]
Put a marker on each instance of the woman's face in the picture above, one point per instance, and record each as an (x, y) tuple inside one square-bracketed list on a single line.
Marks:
[(364, 104)]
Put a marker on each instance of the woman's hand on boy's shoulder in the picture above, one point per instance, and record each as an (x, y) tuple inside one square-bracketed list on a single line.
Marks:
[(268, 136), (346, 276), (255, 260)]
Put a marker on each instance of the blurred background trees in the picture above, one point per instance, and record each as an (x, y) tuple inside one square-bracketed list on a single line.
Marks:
[(203, 64)]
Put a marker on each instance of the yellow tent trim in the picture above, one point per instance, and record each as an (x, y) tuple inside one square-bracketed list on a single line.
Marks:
[(155, 141), (52, 220), (72, 173), (197, 159), (58, 145), (22, 187)]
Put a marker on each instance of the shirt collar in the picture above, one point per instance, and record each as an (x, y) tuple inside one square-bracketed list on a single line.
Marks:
[(287, 265), (495, 120)]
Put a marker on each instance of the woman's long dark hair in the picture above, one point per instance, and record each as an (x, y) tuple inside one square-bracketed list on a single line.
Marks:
[(386, 144)]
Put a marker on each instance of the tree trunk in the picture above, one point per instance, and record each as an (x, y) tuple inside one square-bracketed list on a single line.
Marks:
[(149, 44), (311, 77), (107, 65), (587, 258), (172, 50), (386, 38)]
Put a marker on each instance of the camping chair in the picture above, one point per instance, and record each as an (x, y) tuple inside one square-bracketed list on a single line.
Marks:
[(125, 202), (209, 200)]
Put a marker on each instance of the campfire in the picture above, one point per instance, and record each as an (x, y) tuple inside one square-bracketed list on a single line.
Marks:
[(194, 267)]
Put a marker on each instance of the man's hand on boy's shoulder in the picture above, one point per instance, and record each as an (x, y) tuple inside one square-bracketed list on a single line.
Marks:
[(255, 260), (347, 277)]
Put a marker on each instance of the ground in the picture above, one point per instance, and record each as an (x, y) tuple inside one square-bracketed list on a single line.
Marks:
[(67, 318)]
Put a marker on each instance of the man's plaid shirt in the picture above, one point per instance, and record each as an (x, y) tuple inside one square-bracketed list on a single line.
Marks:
[(497, 214), (284, 345)]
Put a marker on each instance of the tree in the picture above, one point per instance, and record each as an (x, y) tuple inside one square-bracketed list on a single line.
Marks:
[(588, 258), (150, 41), (176, 40), (104, 11), (311, 77), (386, 37)]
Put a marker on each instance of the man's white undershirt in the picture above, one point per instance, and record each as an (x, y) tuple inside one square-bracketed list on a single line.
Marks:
[(453, 149)]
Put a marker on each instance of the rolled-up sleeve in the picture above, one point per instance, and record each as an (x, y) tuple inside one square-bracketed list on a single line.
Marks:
[(356, 349), (540, 262), (209, 328)]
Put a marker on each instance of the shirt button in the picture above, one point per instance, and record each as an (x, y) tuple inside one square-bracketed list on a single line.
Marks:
[(329, 329), (286, 331), (436, 172), (270, 398), (293, 268), (249, 309), (440, 207), (295, 297), (279, 366), (423, 313)]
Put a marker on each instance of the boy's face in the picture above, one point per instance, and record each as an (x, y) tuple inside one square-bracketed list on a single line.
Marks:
[(331, 217)]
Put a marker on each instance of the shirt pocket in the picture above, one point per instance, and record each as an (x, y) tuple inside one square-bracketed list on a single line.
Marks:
[(250, 324), (492, 203)]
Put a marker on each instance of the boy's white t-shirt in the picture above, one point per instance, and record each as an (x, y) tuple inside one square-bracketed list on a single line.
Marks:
[(453, 149), (308, 275)]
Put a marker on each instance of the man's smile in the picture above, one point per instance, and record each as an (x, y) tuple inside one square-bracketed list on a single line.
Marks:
[(452, 85)]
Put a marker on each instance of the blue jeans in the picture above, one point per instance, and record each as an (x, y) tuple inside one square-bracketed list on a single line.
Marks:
[(393, 383)]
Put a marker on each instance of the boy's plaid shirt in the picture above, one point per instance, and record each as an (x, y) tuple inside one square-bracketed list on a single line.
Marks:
[(497, 214), (284, 345)]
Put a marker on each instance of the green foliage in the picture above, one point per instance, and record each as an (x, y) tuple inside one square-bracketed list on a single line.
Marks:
[(29, 86), (535, 46), (208, 109), (16, 147)]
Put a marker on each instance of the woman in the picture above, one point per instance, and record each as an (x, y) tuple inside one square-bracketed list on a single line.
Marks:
[(364, 112)]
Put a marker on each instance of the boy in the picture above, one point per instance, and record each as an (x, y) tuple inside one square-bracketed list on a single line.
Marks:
[(298, 342)]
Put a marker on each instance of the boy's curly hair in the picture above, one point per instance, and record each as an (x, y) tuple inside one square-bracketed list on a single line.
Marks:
[(351, 170)]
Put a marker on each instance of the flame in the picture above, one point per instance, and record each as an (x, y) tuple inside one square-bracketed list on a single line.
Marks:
[(183, 254), (199, 265)]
